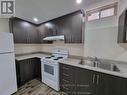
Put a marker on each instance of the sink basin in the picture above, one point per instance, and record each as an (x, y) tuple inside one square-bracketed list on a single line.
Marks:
[(108, 66), (105, 66)]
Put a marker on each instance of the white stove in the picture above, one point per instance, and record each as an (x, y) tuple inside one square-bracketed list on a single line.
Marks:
[(50, 68)]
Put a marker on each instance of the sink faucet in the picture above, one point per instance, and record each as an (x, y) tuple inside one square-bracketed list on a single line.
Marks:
[(96, 62)]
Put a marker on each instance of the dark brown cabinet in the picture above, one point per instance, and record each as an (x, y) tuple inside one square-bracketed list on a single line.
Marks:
[(71, 27), (106, 85), (24, 32), (121, 86), (27, 70), (18, 30), (76, 81), (122, 31), (46, 30), (110, 85), (32, 35), (67, 79), (87, 82)]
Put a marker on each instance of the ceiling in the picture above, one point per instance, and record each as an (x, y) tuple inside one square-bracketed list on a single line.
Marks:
[(46, 10)]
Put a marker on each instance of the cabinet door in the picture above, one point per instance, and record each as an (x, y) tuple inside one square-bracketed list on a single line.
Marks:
[(110, 85), (46, 31), (24, 32), (120, 86), (32, 34), (67, 79), (122, 33), (85, 81), (18, 31), (71, 27), (77, 28), (37, 66), (27, 70)]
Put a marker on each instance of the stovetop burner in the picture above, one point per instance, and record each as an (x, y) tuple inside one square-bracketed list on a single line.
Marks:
[(56, 59), (60, 57), (50, 57)]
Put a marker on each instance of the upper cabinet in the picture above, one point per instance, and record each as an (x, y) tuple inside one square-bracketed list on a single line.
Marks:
[(122, 32), (46, 30), (24, 32), (69, 25)]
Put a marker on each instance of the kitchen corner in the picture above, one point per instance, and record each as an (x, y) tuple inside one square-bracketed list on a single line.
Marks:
[(77, 62)]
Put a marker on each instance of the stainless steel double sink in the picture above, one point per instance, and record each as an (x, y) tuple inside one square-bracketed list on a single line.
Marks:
[(98, 64)]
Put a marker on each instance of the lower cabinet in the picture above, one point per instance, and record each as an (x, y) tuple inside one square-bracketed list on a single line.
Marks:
[(76, 81), (85, 82), (106, 85), (110, 85), (67, 79), (27, 70), (79, 81)]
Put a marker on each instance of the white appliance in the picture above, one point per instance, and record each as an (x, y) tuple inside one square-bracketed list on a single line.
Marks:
[(50, 68), (8, 84)]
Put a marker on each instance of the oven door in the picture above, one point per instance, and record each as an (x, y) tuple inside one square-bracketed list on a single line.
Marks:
[(50, 70)]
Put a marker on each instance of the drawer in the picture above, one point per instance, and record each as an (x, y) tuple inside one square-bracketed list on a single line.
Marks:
[(67, 77), (64, 67), (66, 70)]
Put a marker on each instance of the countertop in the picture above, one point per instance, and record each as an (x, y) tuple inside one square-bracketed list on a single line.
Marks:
[(31, 55), (74, 62)]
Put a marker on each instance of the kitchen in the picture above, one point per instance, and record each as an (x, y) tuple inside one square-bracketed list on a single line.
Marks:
[(59, 51)]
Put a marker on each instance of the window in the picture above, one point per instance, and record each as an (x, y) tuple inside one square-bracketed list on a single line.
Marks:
[(108, 12), (102, 12), (93, 16)]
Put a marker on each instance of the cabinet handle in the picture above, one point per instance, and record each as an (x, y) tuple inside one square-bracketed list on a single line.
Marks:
[(94, 78), (98, 79), (65, 81), (66, 75), (65, 68)]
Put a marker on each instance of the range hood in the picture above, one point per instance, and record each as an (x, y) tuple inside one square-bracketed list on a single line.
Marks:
[(54, 38)]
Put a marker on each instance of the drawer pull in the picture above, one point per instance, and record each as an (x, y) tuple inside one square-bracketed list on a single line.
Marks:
[(65, 68), (65, 74), (65, 80), (84, 93)]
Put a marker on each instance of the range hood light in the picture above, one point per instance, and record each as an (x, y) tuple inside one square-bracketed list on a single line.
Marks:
[(54, 38)]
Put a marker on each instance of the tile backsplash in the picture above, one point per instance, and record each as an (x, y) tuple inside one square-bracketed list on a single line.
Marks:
[(74, 49)]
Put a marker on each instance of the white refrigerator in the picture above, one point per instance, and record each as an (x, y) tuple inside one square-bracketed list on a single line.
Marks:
[(8, 83)]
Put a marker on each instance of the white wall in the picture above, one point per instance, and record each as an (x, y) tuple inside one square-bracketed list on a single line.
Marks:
[(101, 38), (4, 25), (122, 5)]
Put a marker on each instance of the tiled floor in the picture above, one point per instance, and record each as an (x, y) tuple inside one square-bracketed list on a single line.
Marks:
[(35, 87)]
